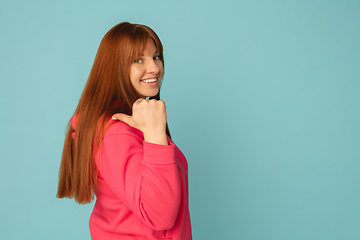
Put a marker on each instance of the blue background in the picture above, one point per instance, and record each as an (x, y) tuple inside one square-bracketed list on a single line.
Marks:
[(263, 98)]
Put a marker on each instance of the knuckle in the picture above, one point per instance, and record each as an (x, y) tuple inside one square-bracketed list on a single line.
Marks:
[(139, 100), (162, 103)]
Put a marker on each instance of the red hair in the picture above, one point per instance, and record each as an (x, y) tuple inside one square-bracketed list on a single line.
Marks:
[(108, 82)]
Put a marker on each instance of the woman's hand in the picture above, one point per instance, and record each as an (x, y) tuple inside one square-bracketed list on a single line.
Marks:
[(150, 117)]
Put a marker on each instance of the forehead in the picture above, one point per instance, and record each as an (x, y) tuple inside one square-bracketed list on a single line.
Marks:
[(149, 48), (145, 45)]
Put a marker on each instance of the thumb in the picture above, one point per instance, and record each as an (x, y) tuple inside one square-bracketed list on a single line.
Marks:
[(122, 117)]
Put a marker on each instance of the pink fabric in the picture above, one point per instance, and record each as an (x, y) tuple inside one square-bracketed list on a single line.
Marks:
[(142, 188)]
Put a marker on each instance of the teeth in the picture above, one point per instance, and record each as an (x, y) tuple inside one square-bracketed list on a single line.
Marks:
[(149, 80)]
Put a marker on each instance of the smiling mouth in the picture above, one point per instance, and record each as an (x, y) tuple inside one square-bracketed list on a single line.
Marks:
[(150, 80)]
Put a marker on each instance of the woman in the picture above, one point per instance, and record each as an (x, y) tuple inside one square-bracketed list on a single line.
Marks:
[(118, 145)]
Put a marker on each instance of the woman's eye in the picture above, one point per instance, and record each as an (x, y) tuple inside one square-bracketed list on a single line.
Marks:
[(156, 58), (138, 61)]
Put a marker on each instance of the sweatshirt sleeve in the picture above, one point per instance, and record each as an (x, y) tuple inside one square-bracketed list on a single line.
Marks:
[(144, 176)]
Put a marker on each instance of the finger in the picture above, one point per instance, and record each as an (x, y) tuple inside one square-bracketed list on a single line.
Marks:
[(122, 117), (139, 100), (162, 102)]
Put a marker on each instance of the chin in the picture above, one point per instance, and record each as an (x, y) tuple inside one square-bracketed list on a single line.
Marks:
[(152, 94)]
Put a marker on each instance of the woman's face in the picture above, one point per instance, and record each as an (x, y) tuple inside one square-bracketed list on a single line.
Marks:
[(147, 71)]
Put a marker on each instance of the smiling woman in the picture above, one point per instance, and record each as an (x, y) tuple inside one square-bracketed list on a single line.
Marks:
[(137, 173), (147, 71)]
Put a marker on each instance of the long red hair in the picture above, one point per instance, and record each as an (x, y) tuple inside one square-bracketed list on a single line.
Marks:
[(108, 83)]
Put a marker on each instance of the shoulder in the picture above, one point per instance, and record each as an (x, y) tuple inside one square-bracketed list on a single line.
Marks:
[(114, 128)]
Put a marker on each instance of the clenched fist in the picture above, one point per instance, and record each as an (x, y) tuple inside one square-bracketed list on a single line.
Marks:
[(150, 117)]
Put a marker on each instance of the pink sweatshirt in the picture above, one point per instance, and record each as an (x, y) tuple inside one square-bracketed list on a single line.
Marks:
[(142, 189)]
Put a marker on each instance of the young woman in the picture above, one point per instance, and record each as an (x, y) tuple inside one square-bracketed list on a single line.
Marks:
[(118, 145)]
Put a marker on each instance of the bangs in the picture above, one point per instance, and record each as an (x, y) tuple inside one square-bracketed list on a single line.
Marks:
[(139, 45), (139, 41)]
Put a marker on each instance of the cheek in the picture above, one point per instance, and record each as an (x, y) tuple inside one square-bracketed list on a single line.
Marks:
[(161, 68), (134, 74)]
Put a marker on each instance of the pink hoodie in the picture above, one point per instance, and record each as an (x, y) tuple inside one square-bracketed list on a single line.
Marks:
[(142, 188)]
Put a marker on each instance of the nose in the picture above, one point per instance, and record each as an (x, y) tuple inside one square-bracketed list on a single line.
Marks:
[(152, 67)]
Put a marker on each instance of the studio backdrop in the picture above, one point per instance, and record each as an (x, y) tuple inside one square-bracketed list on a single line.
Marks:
[(263, 98)]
